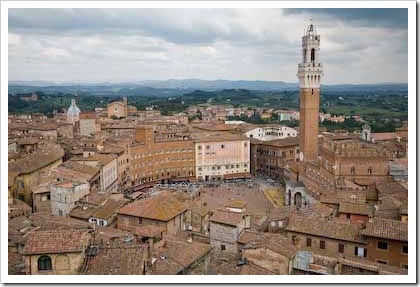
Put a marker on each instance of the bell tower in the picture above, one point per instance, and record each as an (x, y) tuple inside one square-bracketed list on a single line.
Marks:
[(309, 74)]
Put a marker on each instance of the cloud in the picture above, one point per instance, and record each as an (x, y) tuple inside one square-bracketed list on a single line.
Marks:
[(172, 25), (249, 44), (367, 17)]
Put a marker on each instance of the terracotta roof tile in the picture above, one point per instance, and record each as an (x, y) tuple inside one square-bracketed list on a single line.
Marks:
[(273, 241), (118, 259), (161, 207), (81, 212), (355, 208), (226, 217), (36, 160), (289, 141), (46, 221), (315, 225), (279, 213), (390, 188), (253, 269), (104, 159), (77, 170), (106, 234), (107, 210), (178, 254), (386, 228), (57, 241), (384, 136)]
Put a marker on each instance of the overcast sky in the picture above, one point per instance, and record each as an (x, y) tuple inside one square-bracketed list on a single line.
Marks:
[(95, 45)]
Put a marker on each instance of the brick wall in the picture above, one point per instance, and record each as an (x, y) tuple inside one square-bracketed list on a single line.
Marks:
[(331, 245), (393, 255)]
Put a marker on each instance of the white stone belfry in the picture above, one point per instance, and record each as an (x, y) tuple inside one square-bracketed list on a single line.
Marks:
[(310, 69), (73, 112)]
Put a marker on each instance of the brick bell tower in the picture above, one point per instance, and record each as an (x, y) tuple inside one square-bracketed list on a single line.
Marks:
[(309, 74)]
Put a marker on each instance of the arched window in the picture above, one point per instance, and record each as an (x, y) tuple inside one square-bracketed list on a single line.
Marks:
[(352, 170), (44, 263), (369, 170), (312, 55)]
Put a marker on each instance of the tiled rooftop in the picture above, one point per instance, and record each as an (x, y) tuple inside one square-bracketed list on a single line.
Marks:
[(69, 166), (80, 212), (289, 141), (118, 259), (279, 213), (104, 159), (56, 241), (178, 254), (314, 225), (253, 269), (386, 228), (40, 158), (355, 208), (107, 210), (46, 221), (384, 136), (390, 188), (161, 207), (226, 217), (105, 234), (273, 241)]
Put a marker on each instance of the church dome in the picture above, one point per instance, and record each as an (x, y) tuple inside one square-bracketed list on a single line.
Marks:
[(73, 112)]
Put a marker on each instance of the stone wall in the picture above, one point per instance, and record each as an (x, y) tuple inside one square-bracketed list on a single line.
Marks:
[(65, 263)]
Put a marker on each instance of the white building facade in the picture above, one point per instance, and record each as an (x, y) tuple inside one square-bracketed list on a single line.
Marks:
[(222, 157), (65, 194), (270, 133)]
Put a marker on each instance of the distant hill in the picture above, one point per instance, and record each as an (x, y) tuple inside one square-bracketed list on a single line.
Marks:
[(174, 87), (198, 84)]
